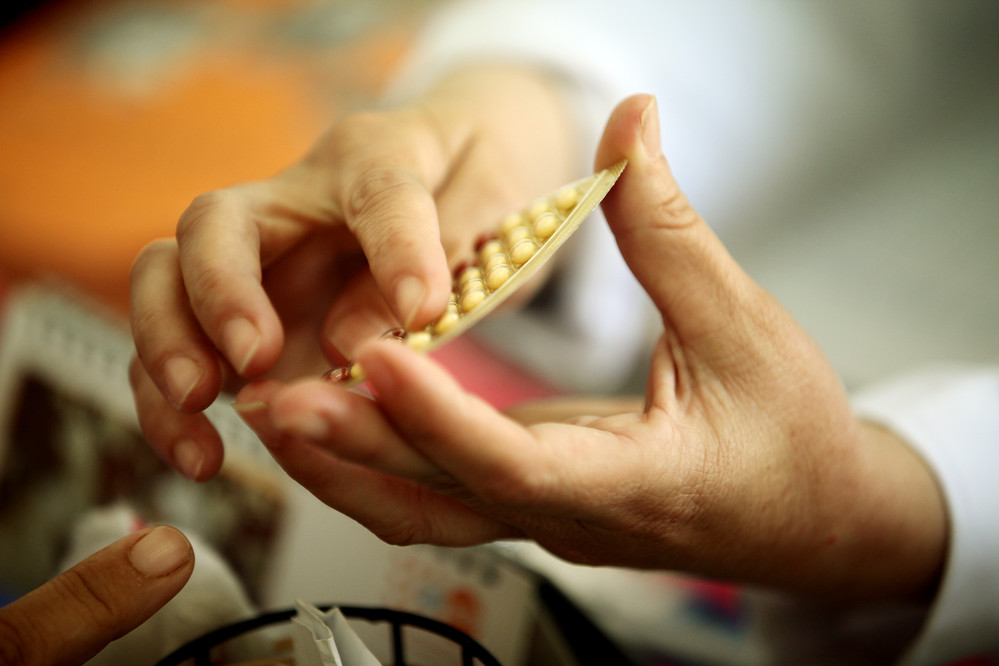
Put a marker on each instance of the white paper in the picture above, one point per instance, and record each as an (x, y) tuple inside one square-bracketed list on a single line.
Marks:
[(327, 639)]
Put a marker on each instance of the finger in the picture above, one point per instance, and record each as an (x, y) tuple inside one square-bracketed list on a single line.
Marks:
[(360, 313), (220, 238), (391, 167), (679, 261), (188, 442), (395, 509), (505, 465), (72, 617), (353, 428), (168, 339)]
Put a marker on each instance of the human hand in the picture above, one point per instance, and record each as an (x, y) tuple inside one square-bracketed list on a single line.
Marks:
[(75, 615), (745, 463), (287, 275)]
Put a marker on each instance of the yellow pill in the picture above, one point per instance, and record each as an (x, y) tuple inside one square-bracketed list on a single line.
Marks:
[(446, 321), (510, 221), (566, 198), (516, 234), (498, 275), (523, 251), (496, 260), (470, 273), (471, 299), (418, 340), (356, 372), (539, 206), (490, 247), (545, 225), (470, 285)]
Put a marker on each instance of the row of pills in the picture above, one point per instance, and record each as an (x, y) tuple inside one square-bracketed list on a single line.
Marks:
[(519, 237)]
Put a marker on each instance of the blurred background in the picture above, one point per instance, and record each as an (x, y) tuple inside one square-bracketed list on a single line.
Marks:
[(114, 115)]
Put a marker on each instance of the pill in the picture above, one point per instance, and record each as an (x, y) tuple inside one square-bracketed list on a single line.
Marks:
[(418, 340), (498, 275), (394, 334), (510, 221), (516, 234), (490, 248), (496, 260), (355, 372), (470, 273), (337, 375), (470, 299), (522, 251), (545, 225), (566, 198), (539, 206), (446, 321), (475, 284)]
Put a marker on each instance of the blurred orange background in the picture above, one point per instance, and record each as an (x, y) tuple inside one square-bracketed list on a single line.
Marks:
[(114, 115)]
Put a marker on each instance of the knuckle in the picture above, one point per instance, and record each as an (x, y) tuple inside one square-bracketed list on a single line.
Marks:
[(83, 592), (208, 281), (518, 486), (373, 190), (358, 125), (15, 642), (152, 253), (674, 211), (417, 526), (399, 533), (202, 207)]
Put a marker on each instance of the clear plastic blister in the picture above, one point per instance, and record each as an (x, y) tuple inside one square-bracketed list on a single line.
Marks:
[(523, 241)]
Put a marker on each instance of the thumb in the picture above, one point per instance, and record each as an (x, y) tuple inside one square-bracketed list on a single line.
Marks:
[(673, 253), (75, 615)]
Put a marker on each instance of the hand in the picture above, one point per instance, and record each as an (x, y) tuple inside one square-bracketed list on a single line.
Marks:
[(74, 616), (745, 462), (286, 276)]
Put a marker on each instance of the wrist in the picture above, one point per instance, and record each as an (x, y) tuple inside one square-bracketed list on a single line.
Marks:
[(894, 521)]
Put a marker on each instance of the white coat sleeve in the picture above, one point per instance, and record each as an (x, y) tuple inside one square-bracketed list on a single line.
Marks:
[(951, 418)]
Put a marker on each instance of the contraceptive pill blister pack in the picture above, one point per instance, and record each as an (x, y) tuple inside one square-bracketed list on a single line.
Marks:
[(523, 241)]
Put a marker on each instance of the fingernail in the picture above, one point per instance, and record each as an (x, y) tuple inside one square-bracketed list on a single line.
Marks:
[(249, 407), (409, 296), (308, 425), (650, 128), (240, 340), (188, 457), (182, 375), (161, 551), (254, 414)]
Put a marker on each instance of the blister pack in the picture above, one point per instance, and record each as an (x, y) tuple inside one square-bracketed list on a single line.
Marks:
[(523, 241)]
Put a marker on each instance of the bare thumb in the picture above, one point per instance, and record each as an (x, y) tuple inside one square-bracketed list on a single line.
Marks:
[(72, 617), (676, 257)]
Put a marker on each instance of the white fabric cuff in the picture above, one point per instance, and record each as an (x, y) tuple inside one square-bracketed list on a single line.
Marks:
[(951, 417)]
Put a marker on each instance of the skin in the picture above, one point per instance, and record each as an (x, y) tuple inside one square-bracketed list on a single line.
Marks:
[(75, 615), (745, 461), (285, 277)]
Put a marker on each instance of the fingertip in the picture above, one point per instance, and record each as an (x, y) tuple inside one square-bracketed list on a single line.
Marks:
[(418, 301), (181, 375), (160, 552), (410, 296), (631, 121), (253, 405), (241, 340)]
